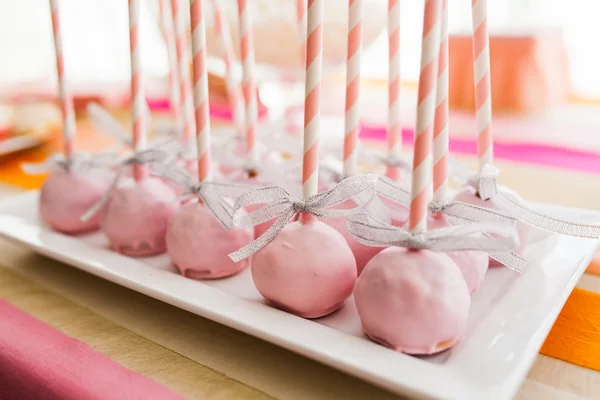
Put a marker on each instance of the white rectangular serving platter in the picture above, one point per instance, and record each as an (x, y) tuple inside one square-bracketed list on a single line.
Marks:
[(509, 320)]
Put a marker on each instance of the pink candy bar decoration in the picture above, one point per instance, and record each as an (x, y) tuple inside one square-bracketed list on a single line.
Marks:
[(394, 127), (351, 121), (166, 22), (185, 89), (483, 86), (301, 21), (39, 362), (441, 140), (248, 79), (198, 28), (421, 175), (66, 101), (234, 90), (314, 70), (138, 99)]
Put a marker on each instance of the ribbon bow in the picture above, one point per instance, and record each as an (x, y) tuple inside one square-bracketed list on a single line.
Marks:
[(283, 206), (210, 193), (146, 156), (460, 213), (371, 232), (487, 188)]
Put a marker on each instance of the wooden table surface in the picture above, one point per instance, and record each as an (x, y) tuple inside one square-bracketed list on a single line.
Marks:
[(198, 358)]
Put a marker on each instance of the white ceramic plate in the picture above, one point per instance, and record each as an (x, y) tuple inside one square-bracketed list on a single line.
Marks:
[(510, 316)]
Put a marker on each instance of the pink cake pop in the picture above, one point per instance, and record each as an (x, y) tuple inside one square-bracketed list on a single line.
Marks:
[(362, 254), (308, 269), (412, 301), (198, 244), (136, 215), (469, 195), (472, 264), (67, 194)]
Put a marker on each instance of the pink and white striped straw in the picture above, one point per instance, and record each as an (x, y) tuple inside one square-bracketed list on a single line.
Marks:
[(234, 90), (312, 92), (440, 127), (198, 28), (66, 101), (482, 81), (138, 106), (166, 22), (351, 120), (394, 128), (248, 79), (422, 171), (301, 23), (183, 61)]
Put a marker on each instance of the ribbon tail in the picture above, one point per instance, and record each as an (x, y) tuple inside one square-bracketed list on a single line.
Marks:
[(104, 122), (510, 260), (215, 205), (95, 209), (539, 220), (263, 239)]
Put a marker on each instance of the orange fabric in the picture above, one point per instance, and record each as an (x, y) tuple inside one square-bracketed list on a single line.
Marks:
[(10, 166), (529, 72), (575, 337)]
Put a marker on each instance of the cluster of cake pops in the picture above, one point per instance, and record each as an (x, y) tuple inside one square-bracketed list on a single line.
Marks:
[(411, 263)]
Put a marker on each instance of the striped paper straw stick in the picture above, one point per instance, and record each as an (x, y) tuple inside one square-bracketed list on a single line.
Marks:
[(440, 126), (198, 28), (66, 101), (138, 107), (394, 128), (421, 175), (483, 88), (248, 79), (351, 121), (314, 70), (301, 22), (166, 22), (183, 61), (234, 90)]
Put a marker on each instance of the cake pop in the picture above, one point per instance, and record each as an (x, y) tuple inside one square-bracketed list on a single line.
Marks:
[(412, 301), (473, 264), (67, 194), (308, 269)]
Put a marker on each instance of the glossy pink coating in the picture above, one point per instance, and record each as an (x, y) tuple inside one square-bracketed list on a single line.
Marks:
[(468, 195), (136, 216), (416, 302), (472, 264), (307, 270), (67, 195), (198, 244)]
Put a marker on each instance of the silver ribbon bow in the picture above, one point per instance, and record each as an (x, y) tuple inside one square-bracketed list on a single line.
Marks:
[(485, 185), (460, 213), (282, 205), (371, 232), (77, 161), (212, 194), (147, 156)]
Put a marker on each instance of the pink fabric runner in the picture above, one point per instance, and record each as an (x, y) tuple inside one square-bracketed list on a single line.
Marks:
[(531, 153), (39, 362)]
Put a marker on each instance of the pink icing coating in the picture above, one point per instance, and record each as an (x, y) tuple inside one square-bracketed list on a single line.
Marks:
[(472, 264), (362, 254), (468, 195), (308, 269), (412, 301), (136, 216), (67, 195), (198, 244)]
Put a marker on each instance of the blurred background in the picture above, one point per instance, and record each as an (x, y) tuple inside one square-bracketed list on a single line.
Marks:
[(546, 85)]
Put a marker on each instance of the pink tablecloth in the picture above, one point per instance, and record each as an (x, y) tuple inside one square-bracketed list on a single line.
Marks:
[(39, 362)]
